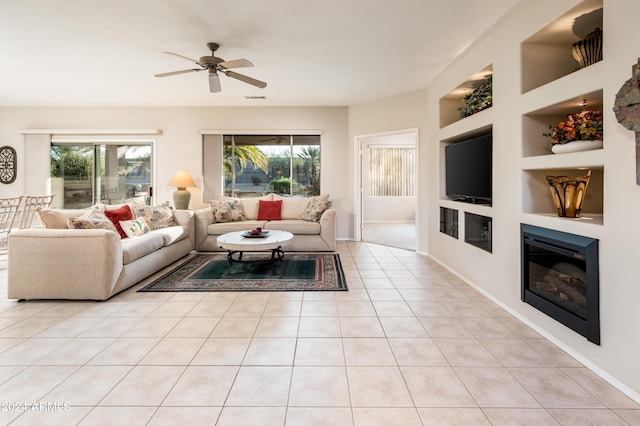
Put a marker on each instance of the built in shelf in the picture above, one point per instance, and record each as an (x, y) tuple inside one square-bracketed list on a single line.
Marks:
[(546, 55), (478, 231), (452, 101), (592, 159), (536, 123), (449, 222), (537, 199)]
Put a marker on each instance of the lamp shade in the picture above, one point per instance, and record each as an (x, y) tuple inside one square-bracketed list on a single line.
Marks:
[(181, 197), (182, 179)]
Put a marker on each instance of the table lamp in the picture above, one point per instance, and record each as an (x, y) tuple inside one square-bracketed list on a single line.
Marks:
[(182, 179)]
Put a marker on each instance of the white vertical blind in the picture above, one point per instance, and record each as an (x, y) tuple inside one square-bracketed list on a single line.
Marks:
[(212, 175), (391, 171), (37, 164)]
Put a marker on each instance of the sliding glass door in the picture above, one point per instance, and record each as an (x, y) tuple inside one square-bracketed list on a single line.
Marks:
[(83, 174)]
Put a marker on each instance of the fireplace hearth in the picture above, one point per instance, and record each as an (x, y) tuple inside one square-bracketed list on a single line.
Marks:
[(560, 278)]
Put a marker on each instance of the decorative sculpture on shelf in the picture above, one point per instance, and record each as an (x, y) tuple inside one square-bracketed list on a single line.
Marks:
[(627, 109), (568, 194), (588, 51)]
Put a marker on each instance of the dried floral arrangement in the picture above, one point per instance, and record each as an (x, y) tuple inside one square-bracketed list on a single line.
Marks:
[(583, 126)]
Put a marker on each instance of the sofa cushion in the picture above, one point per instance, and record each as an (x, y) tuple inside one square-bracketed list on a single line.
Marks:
[(223, 228), (315, 209), (227, 211), (120, 214), (294, 207), (92, 219), (171, 234), (269, 210), (135, 227), (136, 248), (58, 218), (157, 217), (295, 226)]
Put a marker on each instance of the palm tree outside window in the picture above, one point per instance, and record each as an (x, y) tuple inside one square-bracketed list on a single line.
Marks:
[(288, 165)]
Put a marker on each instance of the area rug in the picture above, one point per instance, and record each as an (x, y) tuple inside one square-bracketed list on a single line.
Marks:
[(295, 272)]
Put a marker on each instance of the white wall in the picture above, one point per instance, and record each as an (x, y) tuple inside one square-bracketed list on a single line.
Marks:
[(498, 274), (180, 145)]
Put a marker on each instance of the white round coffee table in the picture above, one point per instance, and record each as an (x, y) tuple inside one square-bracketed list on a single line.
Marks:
[(237, 244)]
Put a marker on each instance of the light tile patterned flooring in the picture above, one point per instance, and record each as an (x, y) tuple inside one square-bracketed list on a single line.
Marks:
[(408, 344)]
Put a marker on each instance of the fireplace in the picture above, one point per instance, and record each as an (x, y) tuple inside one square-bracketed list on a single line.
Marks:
[(560, 278)]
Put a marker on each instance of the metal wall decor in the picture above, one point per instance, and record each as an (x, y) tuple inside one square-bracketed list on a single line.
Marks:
[(8, 164), (627, 109)]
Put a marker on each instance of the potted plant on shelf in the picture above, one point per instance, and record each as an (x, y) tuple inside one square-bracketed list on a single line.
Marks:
[(479, 99), (580, 132)]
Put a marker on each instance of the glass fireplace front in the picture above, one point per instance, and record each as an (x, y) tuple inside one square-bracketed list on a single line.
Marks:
[(560, 278)]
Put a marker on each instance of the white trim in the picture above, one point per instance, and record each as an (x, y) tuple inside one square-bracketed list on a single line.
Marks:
[(129, 140), (390, 133), (259, 132), (91, 131)]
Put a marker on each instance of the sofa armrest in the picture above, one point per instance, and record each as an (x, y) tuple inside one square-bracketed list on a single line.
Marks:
[(186, 218), (203, 218), (63, 263), (328, 228)]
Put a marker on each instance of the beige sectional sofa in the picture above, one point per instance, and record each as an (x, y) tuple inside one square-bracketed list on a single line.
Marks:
[(92, 264), (308, 235)]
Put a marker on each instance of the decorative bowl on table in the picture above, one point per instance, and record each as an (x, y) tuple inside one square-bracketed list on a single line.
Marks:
[(253, 234)]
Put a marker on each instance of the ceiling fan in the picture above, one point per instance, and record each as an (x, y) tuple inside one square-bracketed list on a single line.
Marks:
[(215, 65)]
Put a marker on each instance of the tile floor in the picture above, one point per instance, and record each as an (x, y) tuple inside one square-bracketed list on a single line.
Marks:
[(408, 344)]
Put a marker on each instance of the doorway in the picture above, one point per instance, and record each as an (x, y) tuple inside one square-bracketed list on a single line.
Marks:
[(387, 195)]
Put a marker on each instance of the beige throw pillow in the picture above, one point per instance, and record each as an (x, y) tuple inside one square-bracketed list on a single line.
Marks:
[(58, 218)]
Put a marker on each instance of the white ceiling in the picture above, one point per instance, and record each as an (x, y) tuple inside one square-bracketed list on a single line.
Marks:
[(311, 52)]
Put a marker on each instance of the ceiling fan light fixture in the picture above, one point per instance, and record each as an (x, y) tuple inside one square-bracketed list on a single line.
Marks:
[(216, 65)]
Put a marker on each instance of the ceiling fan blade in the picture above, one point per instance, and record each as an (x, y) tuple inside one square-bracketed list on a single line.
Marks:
[(183, 57), (214, 82), (167, 74), (236, 63), (246, 79)]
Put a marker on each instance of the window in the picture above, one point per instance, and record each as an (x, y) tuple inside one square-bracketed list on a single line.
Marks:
[(83, 174), (391, 171), (284, 164)]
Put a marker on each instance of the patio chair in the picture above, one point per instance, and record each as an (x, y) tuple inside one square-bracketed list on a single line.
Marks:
[(29, 207), (8, 211)]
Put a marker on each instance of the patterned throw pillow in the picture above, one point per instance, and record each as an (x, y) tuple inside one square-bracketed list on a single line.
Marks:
[(227, 211), (134, 228), (157, 217), (314, 210), (93, 219)]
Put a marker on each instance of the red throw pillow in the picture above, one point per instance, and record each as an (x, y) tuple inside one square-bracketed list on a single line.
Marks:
[(116, 215), (269, 210)]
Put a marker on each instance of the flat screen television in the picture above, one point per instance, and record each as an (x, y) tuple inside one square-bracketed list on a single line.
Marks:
[(468, 169)]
